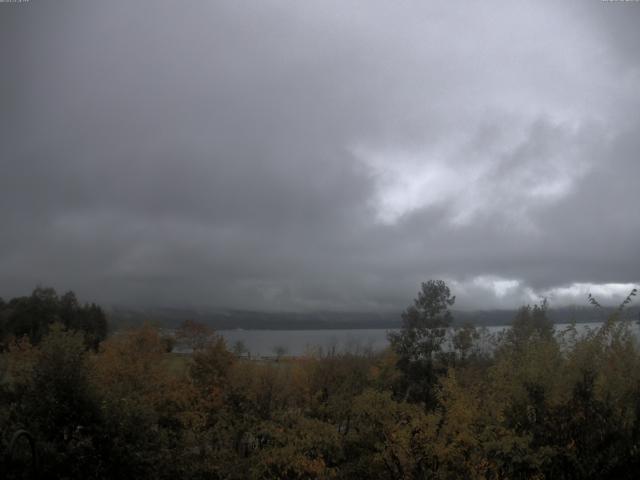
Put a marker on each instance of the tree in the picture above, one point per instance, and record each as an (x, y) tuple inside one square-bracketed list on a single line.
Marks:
[(194, 334), (32, 316), (58, 405), (464, 339), (530, 322), (239, 348), (279, 351), (145, 404), (419, 341), (296, 447), (211, 365)]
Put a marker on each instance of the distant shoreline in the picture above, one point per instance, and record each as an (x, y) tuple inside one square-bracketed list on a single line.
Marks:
[(254, 320)]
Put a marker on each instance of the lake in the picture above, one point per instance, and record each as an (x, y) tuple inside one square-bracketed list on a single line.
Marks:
[(299, 342)]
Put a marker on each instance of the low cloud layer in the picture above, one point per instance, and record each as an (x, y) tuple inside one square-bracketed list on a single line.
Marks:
[(320, 155)]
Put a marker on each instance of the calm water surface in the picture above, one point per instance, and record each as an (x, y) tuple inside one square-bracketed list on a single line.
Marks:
[(299, 342)]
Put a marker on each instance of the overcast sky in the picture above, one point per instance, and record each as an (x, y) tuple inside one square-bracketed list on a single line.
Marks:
[(320, 154)]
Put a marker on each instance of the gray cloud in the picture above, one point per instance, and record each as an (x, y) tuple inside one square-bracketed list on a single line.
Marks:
[(289, 155)]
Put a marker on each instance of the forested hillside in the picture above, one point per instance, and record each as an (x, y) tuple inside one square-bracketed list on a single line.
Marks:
[(538, 405)]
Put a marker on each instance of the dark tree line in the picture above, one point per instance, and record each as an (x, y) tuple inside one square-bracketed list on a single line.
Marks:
[(33, 315)]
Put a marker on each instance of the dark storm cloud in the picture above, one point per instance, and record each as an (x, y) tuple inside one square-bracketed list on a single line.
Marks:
[(310, 155)]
